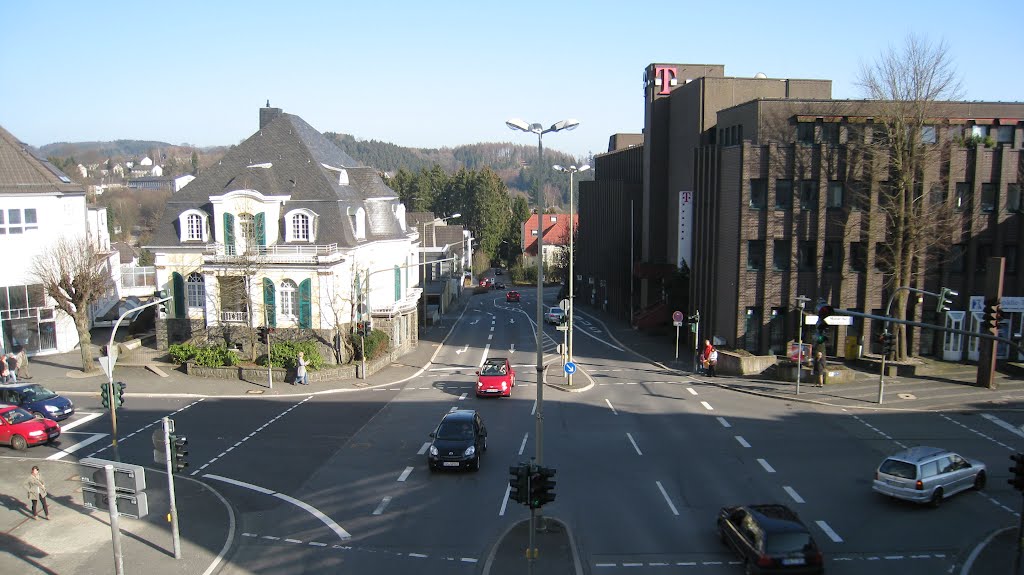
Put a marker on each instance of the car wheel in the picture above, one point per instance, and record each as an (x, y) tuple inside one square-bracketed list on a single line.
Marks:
[(18, 442), (431, 467), (38, 415), (979, 481), (936, 499)]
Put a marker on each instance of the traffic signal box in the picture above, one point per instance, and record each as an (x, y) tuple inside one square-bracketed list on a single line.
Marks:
[(263, 334), (179, 452), (823, 310), (542, 487), (993, 315), (888, 343), (519, 482), (105, 395), (1017, 481), (119, 394)]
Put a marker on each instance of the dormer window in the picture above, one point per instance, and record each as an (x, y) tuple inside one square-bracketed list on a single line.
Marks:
[(193, 226), (357, 217), (300, 226)]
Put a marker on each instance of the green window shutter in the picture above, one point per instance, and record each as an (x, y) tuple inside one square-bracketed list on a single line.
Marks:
[(229, 234), (398, 283), (261, 229), (269, 302), (305, 287), (178, 285)]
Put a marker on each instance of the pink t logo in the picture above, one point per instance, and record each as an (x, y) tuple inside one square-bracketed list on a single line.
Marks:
[(666, 75)]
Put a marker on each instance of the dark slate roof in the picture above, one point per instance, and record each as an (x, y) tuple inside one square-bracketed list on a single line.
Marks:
[(23, 172), (296, 154)]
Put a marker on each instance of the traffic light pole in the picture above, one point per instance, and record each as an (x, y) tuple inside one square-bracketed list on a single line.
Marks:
[(801, 300), (175, 538)]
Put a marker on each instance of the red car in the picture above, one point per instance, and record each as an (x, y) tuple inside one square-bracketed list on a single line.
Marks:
[(19, 429), (512, 296), (495, 377), (484, 282)]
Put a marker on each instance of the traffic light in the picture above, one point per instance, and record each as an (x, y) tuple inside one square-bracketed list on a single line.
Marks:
[(179, 451), (944, 300), (359, 328), (542, 485), (264, 334), (993, 313), (161, 308), (888, 343), (823, 310), (119, 394), (519, 482), (105, 395), (367, 327), (1017, 481)]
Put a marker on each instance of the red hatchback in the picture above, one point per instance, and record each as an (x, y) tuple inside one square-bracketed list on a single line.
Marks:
[(512, 296), (495, 377), (19, 429)]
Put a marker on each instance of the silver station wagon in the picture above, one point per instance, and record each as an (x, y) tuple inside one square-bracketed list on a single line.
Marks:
[(927, 475)]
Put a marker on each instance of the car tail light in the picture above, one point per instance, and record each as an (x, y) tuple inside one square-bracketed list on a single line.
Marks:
[(765, 561), (876, 476), (816, 558), (919, 485)]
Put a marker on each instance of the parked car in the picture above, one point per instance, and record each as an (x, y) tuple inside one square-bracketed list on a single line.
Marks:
[(554, 316), (499, 285), (495, 377), (512, 296), (37, 400), (20, 429), (484, 282), (770, 539), (928, 475), (459, 441)]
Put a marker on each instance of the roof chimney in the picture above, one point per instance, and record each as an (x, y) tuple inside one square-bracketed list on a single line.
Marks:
[(268, 115)]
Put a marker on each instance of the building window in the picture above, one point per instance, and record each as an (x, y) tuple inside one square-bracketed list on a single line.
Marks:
[(18, 221), (752, 330), (300, 227), (195, 290), (860, 195), (835, 195), (830, 133), (288, 302), (777, 331), (1010, 253), (533, 233), (809, 195), (988, 198), (1004, 135), (956, 258), (882, 257), (784, 194), (807, 256), (805, 133), (781, 254), (981, 261), (832, 259), (937, 195), (758, 193), (195, 227), (1013, 197), (979, 131), (879, 134), (854, 133), (755, 255), (963, 196), (927, 134), (858, 257)]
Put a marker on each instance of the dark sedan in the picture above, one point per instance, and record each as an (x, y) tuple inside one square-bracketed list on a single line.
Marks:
[(770, 539)]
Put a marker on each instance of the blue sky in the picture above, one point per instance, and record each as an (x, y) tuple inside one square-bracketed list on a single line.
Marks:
[(434, 74)]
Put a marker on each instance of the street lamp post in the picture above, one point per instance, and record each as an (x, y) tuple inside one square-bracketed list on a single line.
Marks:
[(571, 170), (517, 124)]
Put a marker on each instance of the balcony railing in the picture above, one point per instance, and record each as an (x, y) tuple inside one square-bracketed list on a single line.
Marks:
[(234, 317), (219, 253)]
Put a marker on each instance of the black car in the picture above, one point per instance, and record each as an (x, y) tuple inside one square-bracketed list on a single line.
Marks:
[(459, 441), (499, 285), (770, 539)]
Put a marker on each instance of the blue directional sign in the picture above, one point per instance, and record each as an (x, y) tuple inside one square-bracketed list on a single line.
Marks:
[(570, 367)]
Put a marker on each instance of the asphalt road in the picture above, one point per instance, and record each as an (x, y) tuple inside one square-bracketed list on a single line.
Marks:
[(645, 458)]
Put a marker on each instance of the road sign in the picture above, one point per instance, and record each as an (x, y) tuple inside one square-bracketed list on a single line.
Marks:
[(134, 505), (562, 327), (127, 477), (811, 319), (107, 363), (677, 317), (794, 350), (570, 367), (564, 304)]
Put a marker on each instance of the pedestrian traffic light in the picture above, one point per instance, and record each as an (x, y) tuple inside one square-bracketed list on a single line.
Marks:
[(105, 395), (944, 300), (359, 328), (542, 485), (161, 307), (179, 452), (119, 394), (367, 327), (1017, 481), (264, 334), (888, 343), (519, 482)]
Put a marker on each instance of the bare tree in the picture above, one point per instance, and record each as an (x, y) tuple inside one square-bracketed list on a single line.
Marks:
[(74, 276), (908, 85)]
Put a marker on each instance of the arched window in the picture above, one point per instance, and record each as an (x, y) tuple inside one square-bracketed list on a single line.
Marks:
[(300, 227), (289, 307), (193, 227), (195, 288)]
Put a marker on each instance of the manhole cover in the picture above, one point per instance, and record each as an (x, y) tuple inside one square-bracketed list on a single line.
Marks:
[(906, 396)]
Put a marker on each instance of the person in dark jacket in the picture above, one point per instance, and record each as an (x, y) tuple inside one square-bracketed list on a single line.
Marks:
[(819, 369)]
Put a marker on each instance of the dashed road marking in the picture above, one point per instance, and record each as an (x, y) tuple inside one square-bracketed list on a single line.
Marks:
[(405, 474), (743, 442), (707, 406), (724, 423), (767, 467), (792, 493), (635, 446), (611, 407), (691, 390), (667, 500), (829, 531)]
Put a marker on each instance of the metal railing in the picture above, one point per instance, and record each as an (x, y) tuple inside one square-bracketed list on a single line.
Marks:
[(234, 316), (276, 253)]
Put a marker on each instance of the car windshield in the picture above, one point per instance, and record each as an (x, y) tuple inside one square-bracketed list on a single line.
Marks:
[(788, 542), (37, 393), (454, 430), (898, 468), (18, 415), (494, 369)]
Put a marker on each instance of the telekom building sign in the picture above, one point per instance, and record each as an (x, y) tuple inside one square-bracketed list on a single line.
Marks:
[(685, 229)]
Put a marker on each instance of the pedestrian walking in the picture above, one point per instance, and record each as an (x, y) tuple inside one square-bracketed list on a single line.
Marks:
[(37, 492), (705, 352), (22, 357), (300, 370), (712, 362), (12, 368), (819, 369), (5, 375)]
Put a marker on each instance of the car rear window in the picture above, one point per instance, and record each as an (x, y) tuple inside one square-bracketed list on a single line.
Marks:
[(787, 542), (898, 468)]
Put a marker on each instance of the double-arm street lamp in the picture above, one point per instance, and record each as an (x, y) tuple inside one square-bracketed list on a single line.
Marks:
[(572, 171), (540, 130)]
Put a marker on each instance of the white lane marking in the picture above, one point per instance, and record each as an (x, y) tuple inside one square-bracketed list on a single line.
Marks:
[(483, 357), (707, 406), (767, 467), (337, 529), (80, 445), (463, 396), (467, 559), (490, 336), (611, 407), (724, 423), (742, 441), (504, 500), (522, 445), (1005, 425), (828, 531), (691, 390), (450, 368), (533, 410), (383, 503), (147, 426), (292, 541), (453, 409), (405, 474), (424, 448), (89, 417), (667, 500), (792, 493), (638, 452), (419, 555)]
